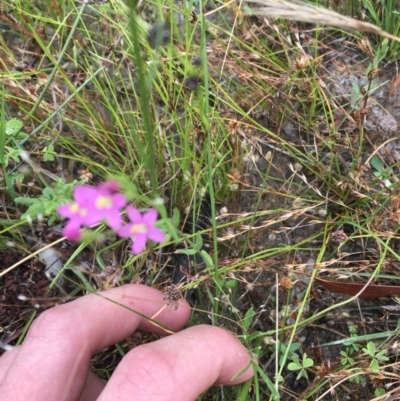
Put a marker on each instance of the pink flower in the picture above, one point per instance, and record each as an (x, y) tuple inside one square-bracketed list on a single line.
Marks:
[(79, 212), (107, 206), (141, 228), (92, 206), (110, 185)]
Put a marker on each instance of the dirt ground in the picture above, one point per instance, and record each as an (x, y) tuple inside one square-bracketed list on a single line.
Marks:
[(381, 123)]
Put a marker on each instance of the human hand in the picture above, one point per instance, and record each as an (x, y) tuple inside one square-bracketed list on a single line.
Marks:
[(52, 364)]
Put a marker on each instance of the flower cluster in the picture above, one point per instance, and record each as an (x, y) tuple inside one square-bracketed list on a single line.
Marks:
[(93, 205)]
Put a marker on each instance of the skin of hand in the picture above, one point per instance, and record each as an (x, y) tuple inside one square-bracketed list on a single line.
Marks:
[(52, 364)]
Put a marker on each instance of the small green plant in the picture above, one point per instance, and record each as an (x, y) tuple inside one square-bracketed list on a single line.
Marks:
[(376, 357), (10, 153), (14, 130), (46, 204), (357, 378), (10, 133), (348, 356), (352, 346), (49, 153), (380, 171), (13, 133), (347, 359), (291, 353), (351, 349), (301, 365)]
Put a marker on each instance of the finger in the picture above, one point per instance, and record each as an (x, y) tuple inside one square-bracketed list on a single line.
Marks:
[(61, 341), (7, 359), (179, 367), (92, 388)]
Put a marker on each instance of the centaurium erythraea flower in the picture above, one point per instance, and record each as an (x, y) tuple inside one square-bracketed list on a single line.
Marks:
[(108, 204), (78, 212), (91, 206), (141, 228)]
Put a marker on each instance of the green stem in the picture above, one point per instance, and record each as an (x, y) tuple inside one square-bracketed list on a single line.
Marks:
[(150, 156)]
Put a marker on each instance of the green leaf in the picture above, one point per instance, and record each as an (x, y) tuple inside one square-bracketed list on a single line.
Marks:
[(301, 374), (52, 219), (16, 178), (186, 251), (248, 318), (13, 127), (199, 242), (25, 201), (350, 361), (379, 392), (294, 347), (381, 355), (48, 193), (255, 335), (294, 366), (307, 362), (207, 259), (371, 348), (176, 217), (374, 366), (13, 153), (230, 284), (377, 163), (49, 153), (44, 205)]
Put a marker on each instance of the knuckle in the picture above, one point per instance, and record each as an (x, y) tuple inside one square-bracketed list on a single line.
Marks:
[(149, 365), (51, 325)]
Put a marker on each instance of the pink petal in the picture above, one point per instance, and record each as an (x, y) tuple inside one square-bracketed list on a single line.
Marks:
[(111, 186), (84, 194), (134, 215), (119, 201), (150, 217), (114, 219), (139, 243), (72, 231), (93, 216), (125, 231), (155, 234), (65, 210)]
